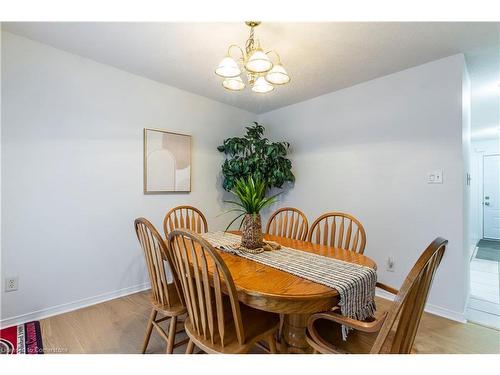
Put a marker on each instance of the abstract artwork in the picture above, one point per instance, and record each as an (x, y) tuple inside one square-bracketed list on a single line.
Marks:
[(167, 162)]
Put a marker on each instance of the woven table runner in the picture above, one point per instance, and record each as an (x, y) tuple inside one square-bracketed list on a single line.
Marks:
[(354, 283)]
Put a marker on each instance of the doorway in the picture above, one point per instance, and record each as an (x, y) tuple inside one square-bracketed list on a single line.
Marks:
[(484, 301)]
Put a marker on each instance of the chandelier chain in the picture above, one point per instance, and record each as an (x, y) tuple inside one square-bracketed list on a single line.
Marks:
[(250, 42)]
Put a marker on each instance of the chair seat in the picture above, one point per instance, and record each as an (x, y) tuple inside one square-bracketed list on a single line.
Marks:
[(330, 333), (176, 307), (331, 336), (258, 325)]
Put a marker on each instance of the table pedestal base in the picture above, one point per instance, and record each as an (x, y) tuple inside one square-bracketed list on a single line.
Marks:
[(294, 334)]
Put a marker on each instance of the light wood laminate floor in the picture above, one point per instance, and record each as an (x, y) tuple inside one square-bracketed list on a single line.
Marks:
[(118, 326)]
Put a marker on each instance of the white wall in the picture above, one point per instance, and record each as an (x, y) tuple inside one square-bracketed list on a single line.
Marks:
[(367, 150), (72, 173), (72, 141)]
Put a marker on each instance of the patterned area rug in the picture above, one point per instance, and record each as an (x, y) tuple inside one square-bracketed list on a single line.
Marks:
[(22, 339), (488, 250)]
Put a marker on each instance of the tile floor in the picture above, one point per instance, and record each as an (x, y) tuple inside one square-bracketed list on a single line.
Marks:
[(485, 280), (484, 303)]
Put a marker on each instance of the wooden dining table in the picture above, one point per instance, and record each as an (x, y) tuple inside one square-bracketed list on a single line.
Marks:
[(269, 289)]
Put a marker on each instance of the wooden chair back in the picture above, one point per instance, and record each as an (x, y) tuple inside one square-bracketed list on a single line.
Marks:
[(155, 252), (203, 274), (400, 326), (185, 217), (288, 222), (338, 230)]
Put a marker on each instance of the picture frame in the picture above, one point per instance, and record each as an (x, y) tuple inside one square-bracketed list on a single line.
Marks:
[(167, 162)]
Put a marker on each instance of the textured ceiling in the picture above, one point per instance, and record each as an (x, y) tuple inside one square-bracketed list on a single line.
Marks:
[(320, 57)]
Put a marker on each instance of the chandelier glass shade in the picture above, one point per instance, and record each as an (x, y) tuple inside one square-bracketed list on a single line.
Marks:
[(261, 86), (258, 62), (228, 68), (253, 66), (233, 83), (277, 75)]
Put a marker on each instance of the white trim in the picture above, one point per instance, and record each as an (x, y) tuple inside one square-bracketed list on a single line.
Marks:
[(70, 306), (474, 252), (483, 318), (486, 306), (85, 302), (431, 309)]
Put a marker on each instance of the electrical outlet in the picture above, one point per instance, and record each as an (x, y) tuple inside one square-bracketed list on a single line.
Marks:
[(435, 177), (11, 284), (390, 264)]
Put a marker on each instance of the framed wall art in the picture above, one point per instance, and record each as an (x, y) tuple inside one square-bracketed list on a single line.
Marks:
[(167, 162)]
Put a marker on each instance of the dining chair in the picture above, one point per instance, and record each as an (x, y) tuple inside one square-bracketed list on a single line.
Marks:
[(216, 323), (288, 222), (338, 229), (187, 217), (166, 298), (291, 223), (392, 331)]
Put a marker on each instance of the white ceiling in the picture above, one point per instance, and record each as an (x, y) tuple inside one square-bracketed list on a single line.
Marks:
[(320, 57)]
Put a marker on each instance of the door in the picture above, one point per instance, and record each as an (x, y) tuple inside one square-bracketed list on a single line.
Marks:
[(491, 199)]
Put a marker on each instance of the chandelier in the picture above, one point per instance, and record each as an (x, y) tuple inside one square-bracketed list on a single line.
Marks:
[(259, 71)]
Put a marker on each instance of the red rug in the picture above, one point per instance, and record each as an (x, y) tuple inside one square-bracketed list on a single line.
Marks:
[(22, 339)]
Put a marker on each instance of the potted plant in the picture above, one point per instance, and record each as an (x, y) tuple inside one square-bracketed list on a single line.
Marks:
[(251, 194), (254, 155)]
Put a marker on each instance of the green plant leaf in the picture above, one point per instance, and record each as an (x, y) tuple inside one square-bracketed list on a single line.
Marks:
[(254, 155), (236, 203), (228, 211), (232, 221)]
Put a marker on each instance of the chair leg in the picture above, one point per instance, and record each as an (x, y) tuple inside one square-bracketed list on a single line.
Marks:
[(190, 347), (272, 344), (171, 335), (283, 346), (280, 330), (149, 328)]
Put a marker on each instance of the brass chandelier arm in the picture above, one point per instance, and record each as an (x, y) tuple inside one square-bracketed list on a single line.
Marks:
[(277, 55), (238, 47)]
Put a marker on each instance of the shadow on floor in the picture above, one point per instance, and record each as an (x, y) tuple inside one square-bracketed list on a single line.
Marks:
[(488, 250)]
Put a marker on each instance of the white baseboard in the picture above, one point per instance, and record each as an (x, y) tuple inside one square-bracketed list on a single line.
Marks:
[(431, 309), (486, 306), (483, 318), (473, 254), (70, 306), (85, 302)]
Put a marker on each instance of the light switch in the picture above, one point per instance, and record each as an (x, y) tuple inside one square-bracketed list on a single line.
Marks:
[(435, 177)]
